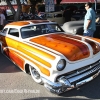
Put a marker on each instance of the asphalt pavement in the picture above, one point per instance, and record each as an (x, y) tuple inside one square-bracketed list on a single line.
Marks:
[(17, 85)]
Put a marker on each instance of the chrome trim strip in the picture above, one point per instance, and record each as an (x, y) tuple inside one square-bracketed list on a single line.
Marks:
[(87, 80), (89, 67), (54, 85), (75, 78)]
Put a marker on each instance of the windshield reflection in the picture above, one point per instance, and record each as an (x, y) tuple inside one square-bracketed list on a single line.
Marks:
[(40, 29)]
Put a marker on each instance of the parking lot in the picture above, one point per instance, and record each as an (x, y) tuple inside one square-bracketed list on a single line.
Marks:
[(17, 85)]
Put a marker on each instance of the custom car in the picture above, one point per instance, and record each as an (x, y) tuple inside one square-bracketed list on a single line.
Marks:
[(58, 60)]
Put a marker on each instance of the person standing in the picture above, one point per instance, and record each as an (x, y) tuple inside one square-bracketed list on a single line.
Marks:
[(2, 20), (89, 20)]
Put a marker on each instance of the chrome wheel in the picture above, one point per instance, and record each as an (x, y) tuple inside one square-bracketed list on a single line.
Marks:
[(35, 75)]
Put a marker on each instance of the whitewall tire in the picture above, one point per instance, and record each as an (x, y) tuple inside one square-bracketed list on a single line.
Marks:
[(35, 75)]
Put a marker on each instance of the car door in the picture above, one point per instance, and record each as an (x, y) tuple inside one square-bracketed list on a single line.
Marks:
[(11, 42), (2, 38), (11, 39)]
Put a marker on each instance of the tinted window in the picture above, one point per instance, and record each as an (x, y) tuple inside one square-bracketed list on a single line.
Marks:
[(14, 32), (40, 29)]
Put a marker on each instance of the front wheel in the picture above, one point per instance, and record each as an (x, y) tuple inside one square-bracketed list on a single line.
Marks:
[(35, 75)]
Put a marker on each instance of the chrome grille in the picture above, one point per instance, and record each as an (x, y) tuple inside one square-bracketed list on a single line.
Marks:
[(80, 74)]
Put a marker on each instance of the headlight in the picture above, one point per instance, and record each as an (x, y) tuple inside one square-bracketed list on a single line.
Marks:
[(61, 64)]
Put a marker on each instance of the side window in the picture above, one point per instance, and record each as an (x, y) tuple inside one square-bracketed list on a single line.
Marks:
[(31, 31), (13, 32), (4, 31)]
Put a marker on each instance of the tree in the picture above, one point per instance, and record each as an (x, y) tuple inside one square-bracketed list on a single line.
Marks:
[(34, 5), (16, 14)]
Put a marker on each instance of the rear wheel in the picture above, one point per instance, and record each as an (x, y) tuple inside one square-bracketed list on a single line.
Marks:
[(35, 75)]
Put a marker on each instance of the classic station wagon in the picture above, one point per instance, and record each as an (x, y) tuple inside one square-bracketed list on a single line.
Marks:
[(57, 60)]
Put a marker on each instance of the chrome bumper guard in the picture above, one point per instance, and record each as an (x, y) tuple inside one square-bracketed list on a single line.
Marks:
[(66, 83)]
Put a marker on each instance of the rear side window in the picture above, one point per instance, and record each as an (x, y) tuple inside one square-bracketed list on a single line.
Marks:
[(14, 32), (4, 31)]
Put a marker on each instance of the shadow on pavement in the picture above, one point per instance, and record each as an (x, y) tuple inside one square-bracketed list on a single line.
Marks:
[(7, 65), (56, 98), (89, 91)]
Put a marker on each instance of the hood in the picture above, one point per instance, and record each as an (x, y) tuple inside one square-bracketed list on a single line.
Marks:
[(71, 48)]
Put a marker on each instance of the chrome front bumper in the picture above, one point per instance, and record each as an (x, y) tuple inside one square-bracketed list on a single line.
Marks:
[(65, 83)]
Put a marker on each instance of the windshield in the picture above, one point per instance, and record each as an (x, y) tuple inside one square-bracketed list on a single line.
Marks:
[(40, 29)]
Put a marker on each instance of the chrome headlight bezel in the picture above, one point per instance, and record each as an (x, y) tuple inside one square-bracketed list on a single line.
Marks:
[(61, 64)]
